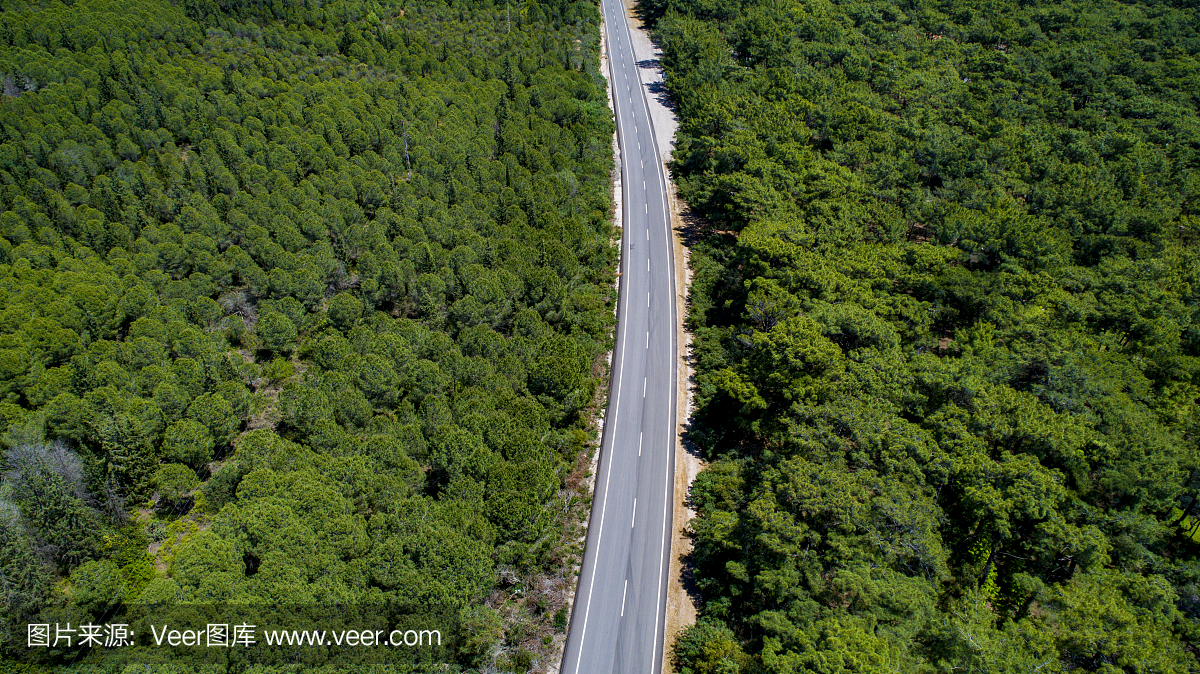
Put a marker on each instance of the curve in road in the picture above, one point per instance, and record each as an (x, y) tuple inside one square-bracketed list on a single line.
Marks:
[(617, 622)]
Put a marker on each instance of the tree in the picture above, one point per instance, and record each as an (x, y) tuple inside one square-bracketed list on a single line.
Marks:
[(174, 483), (516, 494), (48, 486), (97, 587), (26, 578), (709, 647), (189, 442), (206, 567), (344, 311), (278, 370), (213, 412), (277, 332)]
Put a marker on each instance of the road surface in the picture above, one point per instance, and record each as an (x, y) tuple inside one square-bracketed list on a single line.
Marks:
[(618, 619)]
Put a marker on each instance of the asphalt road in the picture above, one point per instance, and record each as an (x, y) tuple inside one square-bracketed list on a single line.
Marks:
[(618, 620)]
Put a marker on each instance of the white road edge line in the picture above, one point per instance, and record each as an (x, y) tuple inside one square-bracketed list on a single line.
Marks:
[(604, 508)]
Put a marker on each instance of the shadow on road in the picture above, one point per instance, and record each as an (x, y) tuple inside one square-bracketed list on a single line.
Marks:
[(657, 89)]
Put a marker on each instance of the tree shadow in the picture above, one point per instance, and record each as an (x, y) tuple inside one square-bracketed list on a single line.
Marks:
[(687, 560), (171, 509), (660, 93), (658, 88), (694, 227)]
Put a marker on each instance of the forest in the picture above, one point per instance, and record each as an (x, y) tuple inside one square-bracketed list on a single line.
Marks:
[(302, 304), (947, 332)]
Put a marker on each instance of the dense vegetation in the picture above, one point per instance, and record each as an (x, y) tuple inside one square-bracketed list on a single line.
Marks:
[(946, 332), (300, 303)]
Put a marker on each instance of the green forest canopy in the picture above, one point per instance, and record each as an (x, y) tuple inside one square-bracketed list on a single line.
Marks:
[(946, 332), (329, 279)]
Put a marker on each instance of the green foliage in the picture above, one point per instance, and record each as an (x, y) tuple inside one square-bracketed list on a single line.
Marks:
[(174, 483), (345, 310), (277, 332), (353, 259), (279, 370), (484, 629), (97, 587), (188, 441), (26, 577), (221, 488), (709, 647), (46, 483), (944, 332)]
